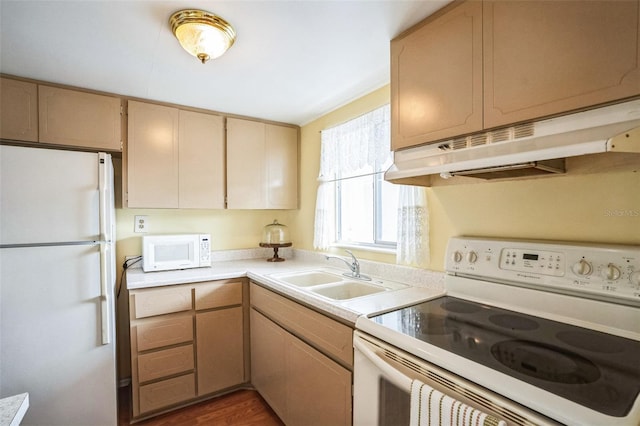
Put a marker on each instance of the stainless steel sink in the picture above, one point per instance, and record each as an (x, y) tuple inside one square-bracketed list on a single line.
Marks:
[(347, 290), (310, 279)]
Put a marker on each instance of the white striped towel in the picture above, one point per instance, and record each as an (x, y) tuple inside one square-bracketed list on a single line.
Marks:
[(430, 407)]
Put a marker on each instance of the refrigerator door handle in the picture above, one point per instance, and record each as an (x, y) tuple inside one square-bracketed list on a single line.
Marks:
[(104, 295), (104, 256)]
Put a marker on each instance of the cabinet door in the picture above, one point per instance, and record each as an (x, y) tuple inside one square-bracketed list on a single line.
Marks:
[(436, 77), (318, 389), (548, 57), (328, 335), (152, 156), (220, 349), (262, 165), (70, 117), (268, 362), (281, 156), (18, 110), (201, 154), (245, 164)]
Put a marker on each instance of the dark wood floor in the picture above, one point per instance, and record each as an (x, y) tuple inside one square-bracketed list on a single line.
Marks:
[(243, 407)]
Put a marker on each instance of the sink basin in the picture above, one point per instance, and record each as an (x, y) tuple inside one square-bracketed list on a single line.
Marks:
[(347, 290), (310, 279), (334, 285)]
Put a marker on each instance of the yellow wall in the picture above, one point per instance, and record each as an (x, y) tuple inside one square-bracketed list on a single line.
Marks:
[(601, 207), (229, 229)]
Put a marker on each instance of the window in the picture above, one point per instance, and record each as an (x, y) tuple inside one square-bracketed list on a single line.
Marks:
[(366, 211), (356, 206)]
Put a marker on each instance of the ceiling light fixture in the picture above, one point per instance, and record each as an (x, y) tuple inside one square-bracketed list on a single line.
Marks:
[(202, 34)]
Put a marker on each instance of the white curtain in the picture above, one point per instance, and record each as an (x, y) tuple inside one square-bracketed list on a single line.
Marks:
[(413, 227), (325, 225), (360, 147), (357, 147)]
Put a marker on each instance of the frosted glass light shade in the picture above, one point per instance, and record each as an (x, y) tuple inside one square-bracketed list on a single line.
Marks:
[(202, 34)]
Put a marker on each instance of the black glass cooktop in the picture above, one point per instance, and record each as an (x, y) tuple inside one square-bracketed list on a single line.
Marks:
[(594, 369)]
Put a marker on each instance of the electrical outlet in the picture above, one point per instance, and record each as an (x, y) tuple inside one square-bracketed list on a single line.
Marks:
[(141, 224)]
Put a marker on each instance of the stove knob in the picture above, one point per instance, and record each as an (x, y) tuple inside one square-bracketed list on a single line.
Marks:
[(472, 256), (635, 278), (611, 272), (582, 268), (456, 257)]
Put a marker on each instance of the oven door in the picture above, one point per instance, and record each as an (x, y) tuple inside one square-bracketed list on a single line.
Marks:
[(382, 387)]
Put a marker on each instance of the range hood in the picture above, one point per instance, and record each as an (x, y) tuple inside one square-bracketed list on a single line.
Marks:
[(523, 150)]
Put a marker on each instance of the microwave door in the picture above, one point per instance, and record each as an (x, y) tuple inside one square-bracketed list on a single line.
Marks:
[(168, 255)]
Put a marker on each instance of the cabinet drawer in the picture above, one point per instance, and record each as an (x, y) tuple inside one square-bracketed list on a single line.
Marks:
[(167, 392), (323, 332), (165, 363), (216, 295), (155, 333), (148, 303)]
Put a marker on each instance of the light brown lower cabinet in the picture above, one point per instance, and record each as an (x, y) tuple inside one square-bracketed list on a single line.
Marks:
[(303, 385), (220, 342), (268, 361), (190, 342), (187, 343)]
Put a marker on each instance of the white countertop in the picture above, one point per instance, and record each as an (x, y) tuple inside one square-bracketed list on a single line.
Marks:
[(422, 284), (13, 409)]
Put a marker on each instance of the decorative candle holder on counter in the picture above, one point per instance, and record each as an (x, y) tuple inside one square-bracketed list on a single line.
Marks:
[(275, 235)]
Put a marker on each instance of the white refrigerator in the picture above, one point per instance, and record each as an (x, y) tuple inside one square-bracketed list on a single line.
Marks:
[(57, 276)]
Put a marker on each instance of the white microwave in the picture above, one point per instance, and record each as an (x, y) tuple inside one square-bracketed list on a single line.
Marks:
[(168, 252)]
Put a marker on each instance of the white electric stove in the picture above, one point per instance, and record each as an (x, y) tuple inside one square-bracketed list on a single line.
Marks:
[(531, 332)]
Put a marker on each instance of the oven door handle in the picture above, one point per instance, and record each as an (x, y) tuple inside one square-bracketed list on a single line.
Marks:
[(394, 376)]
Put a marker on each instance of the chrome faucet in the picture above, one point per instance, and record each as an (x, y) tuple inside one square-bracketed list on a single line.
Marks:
[(353, 266)]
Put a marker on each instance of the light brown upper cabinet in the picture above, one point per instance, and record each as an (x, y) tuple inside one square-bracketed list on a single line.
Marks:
[(479, 65), (262, 165), (152, 156), (549, 57), (436, 77), (81, 119), (201, 161), (174, 158), (18, 110)]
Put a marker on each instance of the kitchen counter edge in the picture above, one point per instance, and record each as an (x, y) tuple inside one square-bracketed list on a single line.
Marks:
[(260, 271)]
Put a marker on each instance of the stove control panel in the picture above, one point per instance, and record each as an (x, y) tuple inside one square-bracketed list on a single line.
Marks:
[(610, 272), (536, 261)]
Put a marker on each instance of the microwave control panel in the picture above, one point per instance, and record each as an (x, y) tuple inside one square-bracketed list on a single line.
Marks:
[(598, 271), (205, 250)]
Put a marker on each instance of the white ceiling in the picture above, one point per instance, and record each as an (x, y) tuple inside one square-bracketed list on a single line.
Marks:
[(292, 62)]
